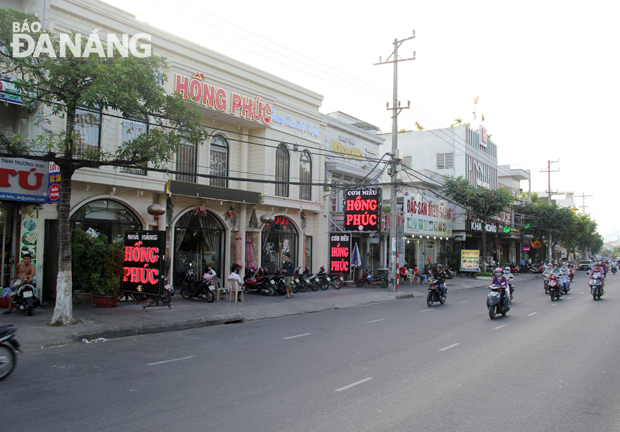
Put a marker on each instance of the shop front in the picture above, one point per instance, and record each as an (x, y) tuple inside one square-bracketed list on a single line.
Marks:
[(427, 228), (277, 239)]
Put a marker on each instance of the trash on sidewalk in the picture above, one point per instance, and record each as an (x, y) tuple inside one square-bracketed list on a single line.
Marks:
[(94, 340)]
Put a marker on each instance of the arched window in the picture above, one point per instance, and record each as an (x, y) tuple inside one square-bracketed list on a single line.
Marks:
[(219, 161), (282, 170), (305, 176), (106, 217)]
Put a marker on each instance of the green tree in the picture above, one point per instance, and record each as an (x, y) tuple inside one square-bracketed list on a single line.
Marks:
[(130, 86), (479, 201)]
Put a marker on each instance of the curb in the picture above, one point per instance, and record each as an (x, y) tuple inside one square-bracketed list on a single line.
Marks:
[(161, 328)]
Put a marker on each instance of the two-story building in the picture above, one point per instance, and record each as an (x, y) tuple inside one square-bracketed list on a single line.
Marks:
[(263, 159)]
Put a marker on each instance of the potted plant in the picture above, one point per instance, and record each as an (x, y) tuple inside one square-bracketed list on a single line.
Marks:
[(97, 266)]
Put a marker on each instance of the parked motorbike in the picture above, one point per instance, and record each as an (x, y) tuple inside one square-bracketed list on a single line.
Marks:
[(434, 293), (514, 269), (278, 278), (337, 279), (368, 278), (596, 286), (324, 279), (555, 290), (26, 298), (546, 285), (8, 348), (256, 281), (498, 300), (193, 288), (449, 273)]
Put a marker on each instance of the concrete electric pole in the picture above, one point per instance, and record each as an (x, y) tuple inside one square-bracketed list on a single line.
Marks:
[(396, 109), (583, 202), (549, 171)]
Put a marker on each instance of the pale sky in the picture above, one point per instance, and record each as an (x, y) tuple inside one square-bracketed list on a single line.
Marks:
[(546, 72)]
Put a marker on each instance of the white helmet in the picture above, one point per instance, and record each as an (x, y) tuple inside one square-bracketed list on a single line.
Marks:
[(507, 269)]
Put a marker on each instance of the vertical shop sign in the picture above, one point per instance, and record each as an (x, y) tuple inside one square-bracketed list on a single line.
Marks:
[(470, 261), (144, 262), (339, 252), (53, 192), (29, 235), (362, 209)]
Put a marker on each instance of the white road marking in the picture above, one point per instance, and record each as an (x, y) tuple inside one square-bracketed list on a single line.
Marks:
[(568, 298), (463, 302), (426, 310), (554, 304), (499, 327), (296, 336), (368, 322), (581, 292), (449, 346), (168, 361), (527, 287), (353, 385), (533, 313)]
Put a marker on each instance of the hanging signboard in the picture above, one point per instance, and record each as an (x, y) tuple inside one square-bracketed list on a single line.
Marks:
[(339, 252), (526, 246), (23, 180), (426, 215), (144, 262), (470, 261), (362, 209)]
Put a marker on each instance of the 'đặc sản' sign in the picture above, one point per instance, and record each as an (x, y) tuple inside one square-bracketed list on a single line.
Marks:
[(362, 209)]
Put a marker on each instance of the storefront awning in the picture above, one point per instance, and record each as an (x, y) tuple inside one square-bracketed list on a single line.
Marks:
[(212, 192)]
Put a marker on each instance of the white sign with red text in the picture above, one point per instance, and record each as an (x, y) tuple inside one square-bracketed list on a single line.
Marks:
[(23, 180)]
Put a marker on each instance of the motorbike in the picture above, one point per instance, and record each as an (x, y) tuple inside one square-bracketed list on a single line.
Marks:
[(449, 273), (278, 278), (614, 269), (546, 285), (571, 275), (596, 286), (337, 280), (256, 281), (25, 297), (434, 293), (324, 279), (498, 300), (368, 278), (555, 290), (197, 289), (514, 269), (8, 348)]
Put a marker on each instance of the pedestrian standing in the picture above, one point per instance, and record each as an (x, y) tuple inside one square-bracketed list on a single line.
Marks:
[(288, 269)]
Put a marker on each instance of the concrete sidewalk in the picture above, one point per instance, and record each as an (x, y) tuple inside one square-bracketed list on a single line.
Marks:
[(129, 318)]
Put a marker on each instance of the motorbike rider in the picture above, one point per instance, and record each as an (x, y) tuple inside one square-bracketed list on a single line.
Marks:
[(565, 279), (440, 276), (500, 279), (24, 274), (509, 278), (548, 271), (598, 268)]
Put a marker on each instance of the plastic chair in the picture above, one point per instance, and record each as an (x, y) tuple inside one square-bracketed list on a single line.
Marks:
[(219, 289), (235, 290)]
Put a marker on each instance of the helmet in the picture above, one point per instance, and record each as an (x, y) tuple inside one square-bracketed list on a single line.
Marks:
[(555, 265), (498, 271), (549, 266), (439, 266), (554, 277), (507, 268), (598, 264)]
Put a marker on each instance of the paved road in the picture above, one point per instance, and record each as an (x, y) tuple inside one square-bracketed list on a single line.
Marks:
[(395, 366)]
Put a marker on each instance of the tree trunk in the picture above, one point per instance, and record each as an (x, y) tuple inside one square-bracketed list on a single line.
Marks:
[(483, 253), (63, 311)]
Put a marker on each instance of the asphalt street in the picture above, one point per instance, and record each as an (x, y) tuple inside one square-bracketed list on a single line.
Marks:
[(393, 366)]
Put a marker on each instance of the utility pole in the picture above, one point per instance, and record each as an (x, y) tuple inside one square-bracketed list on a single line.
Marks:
[(583, 202), (549, 171), (396, 109)]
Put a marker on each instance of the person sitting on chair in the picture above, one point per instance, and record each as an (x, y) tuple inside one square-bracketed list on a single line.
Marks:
[(403, 273), (24, 274), (234, 275)]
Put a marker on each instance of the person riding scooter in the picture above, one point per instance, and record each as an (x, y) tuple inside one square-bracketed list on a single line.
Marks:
[(440, 276), (509, 278), (499, 279), (598, 268)]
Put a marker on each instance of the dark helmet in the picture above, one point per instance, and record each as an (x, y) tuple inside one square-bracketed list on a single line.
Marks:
[(439, 266)]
